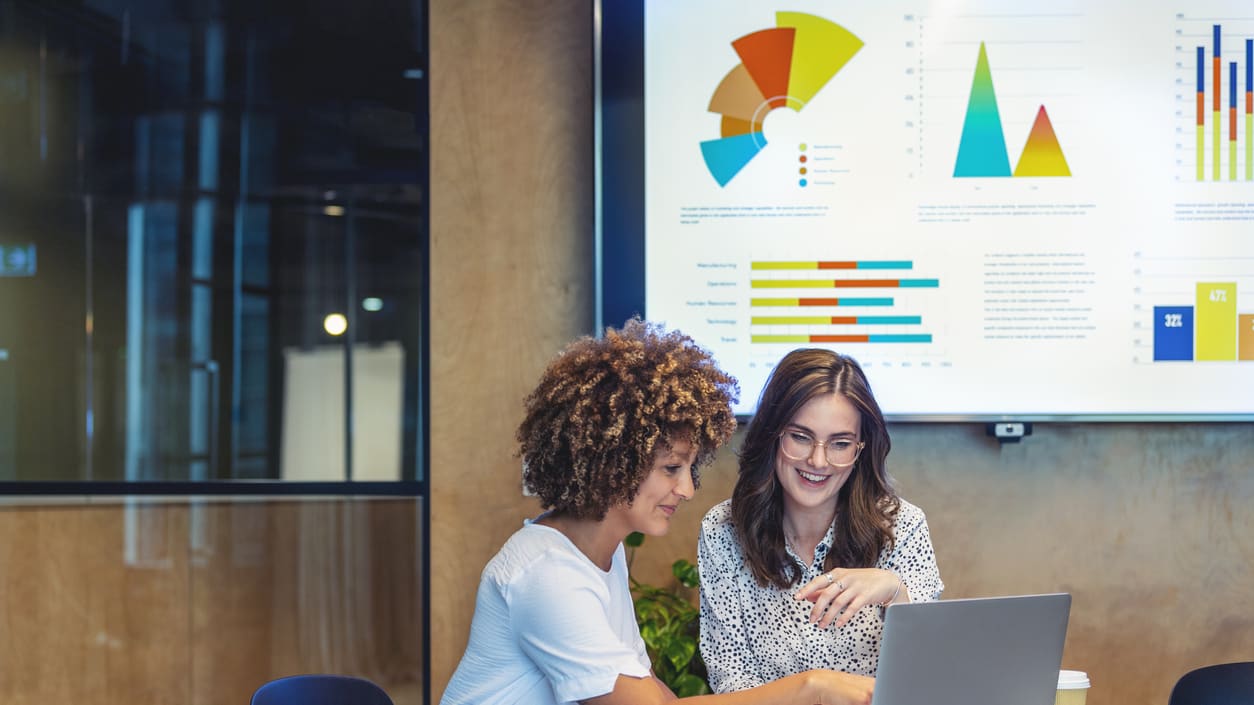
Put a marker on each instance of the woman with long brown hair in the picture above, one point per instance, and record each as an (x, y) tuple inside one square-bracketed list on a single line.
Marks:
[(797, 565)]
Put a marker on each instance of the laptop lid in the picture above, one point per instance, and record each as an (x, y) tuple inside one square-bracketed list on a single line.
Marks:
[(981, 651)]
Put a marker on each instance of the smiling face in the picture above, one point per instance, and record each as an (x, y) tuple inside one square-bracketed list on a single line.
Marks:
[(668, 484), (812, 484)]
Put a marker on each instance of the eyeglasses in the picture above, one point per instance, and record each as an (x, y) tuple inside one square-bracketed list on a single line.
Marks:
[(840, 452)]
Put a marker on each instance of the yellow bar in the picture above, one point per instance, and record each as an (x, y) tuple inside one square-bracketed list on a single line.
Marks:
[(790, 320), (1249, 147), (1232, 160), (1245, 336), (790, 283), (1216, 316), (779, 339), (774, 302), (784, 265), (1201, 153), (1217, 127)]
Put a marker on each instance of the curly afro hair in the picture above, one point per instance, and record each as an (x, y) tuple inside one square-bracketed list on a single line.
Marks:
[(602, 407)]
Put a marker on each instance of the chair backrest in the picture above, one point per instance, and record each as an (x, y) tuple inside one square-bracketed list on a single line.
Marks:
[(1222, 684), (320, 689)]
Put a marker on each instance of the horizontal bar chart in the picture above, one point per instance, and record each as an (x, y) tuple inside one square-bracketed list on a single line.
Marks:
[(859, 319)]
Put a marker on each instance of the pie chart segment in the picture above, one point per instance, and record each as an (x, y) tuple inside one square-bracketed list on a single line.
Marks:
[(767, 55), (737, 95), (820, 49), (727, 156)]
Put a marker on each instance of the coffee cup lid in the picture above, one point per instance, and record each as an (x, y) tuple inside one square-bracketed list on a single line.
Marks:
[(1072, 680)]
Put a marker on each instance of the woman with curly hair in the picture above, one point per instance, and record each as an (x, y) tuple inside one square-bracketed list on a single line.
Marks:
[(814, 541), (611, 441)]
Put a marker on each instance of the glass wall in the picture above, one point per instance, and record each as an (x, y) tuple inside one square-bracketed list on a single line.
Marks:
[(212, 240)]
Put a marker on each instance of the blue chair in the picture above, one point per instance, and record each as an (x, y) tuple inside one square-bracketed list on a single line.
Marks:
[(1222, 684), (318, 689)]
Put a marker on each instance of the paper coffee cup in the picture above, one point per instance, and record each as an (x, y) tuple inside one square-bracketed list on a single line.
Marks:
[(1073, 686)]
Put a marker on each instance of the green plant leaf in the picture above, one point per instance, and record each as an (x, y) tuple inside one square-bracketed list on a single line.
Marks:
[(634, 539), (679, 651), (687, 685), (686, 573), (669, 626)]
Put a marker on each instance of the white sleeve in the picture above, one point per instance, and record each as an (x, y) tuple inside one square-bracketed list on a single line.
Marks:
[(560, 614), (913, 558)]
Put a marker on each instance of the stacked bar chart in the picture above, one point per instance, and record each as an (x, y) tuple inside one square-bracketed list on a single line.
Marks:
[(1225, 89), (1210, 329), (803, 302)]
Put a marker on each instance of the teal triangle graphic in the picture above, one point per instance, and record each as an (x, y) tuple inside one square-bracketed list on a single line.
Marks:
[(982, 151)]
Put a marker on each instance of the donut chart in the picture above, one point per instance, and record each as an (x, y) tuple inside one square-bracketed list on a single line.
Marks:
[(780, 67)]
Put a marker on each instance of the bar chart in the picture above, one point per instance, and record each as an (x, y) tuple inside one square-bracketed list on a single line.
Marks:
[(786, 308), (1226, 116), (1202, 308)]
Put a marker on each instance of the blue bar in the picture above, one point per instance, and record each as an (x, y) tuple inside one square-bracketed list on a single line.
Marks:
[(1232, 84), (1173, 333), (921, 338), (903, 264), (1216, 54), (1201, 70), (890, 320), (918, 283), (865, 302)]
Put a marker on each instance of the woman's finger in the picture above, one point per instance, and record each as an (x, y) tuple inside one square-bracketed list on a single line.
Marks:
[(850, 610), (838, 606)]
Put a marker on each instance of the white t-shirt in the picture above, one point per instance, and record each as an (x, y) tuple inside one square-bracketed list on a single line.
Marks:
[(549, 626)]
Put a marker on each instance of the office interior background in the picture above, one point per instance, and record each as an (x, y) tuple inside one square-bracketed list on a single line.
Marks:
[(205, 182)]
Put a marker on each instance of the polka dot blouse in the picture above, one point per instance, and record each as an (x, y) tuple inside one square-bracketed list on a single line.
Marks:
[(752, 635)]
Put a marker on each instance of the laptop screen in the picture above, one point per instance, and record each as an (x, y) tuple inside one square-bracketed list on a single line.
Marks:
[(980, 651)]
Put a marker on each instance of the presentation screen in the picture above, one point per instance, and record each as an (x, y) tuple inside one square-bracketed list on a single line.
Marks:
[(1002, 210)]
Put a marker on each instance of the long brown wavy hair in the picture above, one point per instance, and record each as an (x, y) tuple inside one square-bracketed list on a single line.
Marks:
[(866, 503), (602, 407)]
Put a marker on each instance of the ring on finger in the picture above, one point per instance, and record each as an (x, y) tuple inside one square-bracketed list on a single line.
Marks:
[(830, 579), (840, 586)]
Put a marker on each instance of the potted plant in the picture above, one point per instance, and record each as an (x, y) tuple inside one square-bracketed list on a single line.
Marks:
[(670, 626)]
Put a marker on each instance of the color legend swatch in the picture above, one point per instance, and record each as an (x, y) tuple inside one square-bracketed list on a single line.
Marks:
[(781, 67), (982, 149)]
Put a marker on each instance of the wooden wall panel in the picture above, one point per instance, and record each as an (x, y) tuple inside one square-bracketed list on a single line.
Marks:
[(511, 252), (157, 602), (79, 623)]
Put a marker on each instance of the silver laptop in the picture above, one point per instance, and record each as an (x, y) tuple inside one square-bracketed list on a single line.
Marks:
[(983, 651)]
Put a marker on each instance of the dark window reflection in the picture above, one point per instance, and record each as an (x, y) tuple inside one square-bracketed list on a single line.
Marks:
[(192, 193)]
